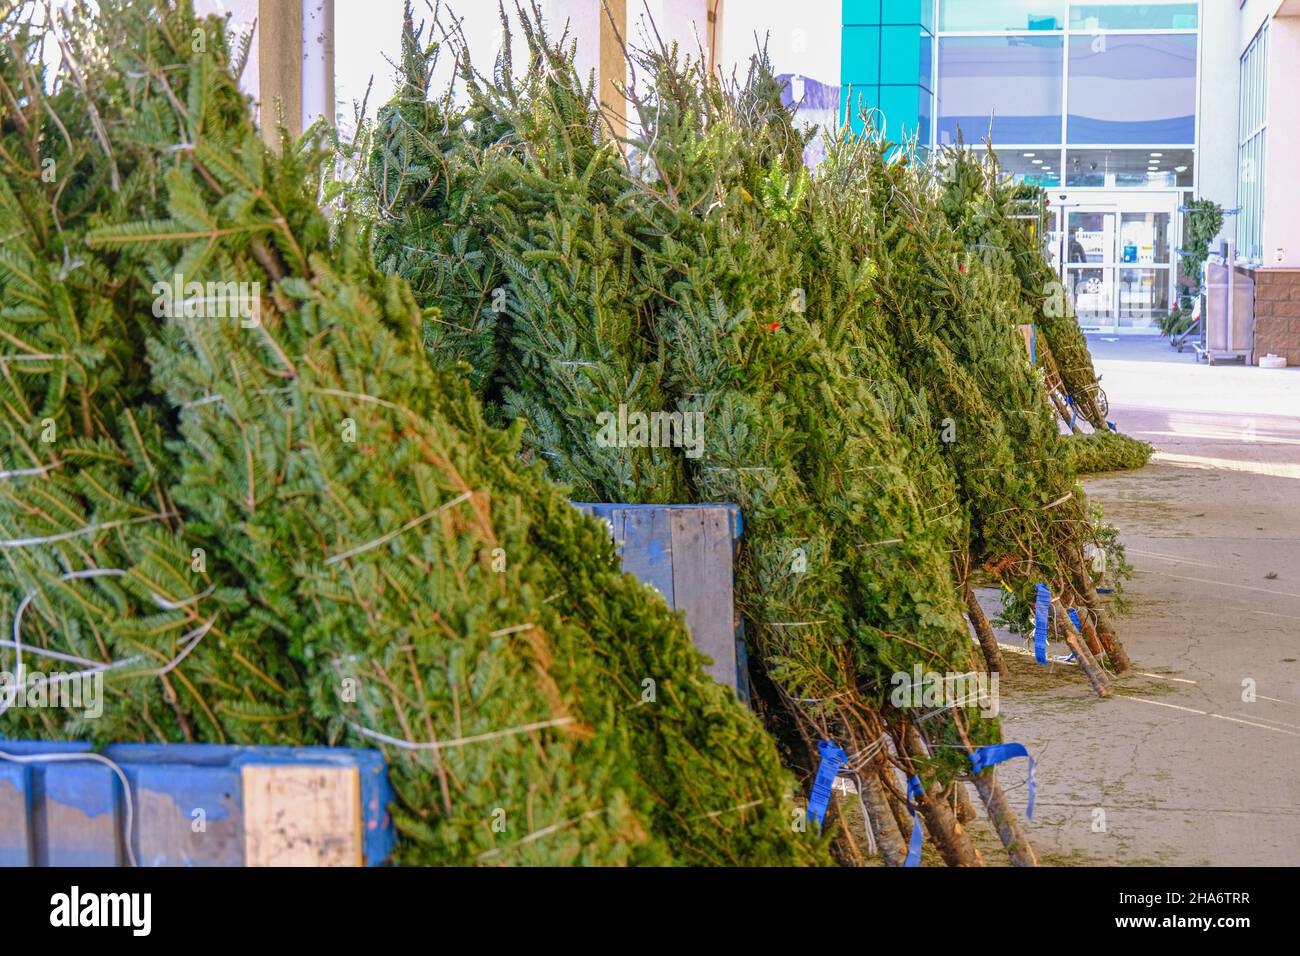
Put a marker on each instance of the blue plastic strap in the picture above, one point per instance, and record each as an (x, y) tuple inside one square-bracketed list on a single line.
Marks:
[(1042, 608), (914, 789), (995, 754), (832, 759), (1074, 416), (1111, 425), (1074, 618)]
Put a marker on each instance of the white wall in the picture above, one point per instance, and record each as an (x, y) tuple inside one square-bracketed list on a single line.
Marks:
[(802, 37), (1281, 184), (1226, 31), (1219, 107), (243, 15)]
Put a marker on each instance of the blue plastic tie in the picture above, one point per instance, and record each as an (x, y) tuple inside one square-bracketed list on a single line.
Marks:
[(1042, 609), (914, 789), (995, 754), (832, 759)]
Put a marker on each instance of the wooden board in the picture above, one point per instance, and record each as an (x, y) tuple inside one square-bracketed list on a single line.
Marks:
[(647, 548), (702, 584), (302, 816), (687, 553)]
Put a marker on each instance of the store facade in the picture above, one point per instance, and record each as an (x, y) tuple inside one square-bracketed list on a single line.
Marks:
[(1094, 101)]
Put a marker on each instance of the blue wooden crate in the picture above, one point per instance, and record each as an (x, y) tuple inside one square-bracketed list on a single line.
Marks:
[(687, 553), (192, 805)]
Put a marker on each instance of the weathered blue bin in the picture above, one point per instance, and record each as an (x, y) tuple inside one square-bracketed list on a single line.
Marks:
[(687, 553), (192, 805)]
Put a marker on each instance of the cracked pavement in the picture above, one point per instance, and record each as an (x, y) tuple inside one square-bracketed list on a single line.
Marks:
[(1196, 760)]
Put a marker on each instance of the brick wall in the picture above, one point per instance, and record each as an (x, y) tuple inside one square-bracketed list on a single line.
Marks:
[(1277, 313)]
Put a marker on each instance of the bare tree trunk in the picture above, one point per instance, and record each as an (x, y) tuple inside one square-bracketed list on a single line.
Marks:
[(988, 640), (1005, 820), (1119, 660), (847, 846), (1090, 634), (1096, 675), (888, 840), (1061, 407), (964, 808), (946, 831), (896, 809)]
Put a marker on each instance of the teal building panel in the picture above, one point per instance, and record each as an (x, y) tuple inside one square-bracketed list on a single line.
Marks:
[(866, 12), (860, 60)]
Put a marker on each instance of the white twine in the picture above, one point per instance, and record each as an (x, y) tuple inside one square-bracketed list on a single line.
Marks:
[(384, 539), (437, 745), (167, 605), (37, 357), (866, 817), (89, 529), (512, 630), (191, 638), (28, 472)]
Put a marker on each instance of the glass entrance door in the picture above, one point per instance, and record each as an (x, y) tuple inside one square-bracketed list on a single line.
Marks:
[(1090, 247), (1143, 283), (1115, 255)]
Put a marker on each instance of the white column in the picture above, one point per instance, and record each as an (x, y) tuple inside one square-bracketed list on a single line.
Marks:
[(318, 61)]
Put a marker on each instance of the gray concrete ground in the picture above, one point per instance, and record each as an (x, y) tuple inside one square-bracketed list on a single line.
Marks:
[(1196, 760)]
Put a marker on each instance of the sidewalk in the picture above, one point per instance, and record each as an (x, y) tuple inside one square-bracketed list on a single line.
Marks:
[(1182, 767)]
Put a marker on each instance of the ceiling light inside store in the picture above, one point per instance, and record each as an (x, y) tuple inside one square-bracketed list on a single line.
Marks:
[(1157, 154), (1180, 169), (1038, 162), (1030, 155)]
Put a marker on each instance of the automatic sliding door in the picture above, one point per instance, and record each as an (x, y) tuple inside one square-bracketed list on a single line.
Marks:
[(1090, 243), (1144, 274)]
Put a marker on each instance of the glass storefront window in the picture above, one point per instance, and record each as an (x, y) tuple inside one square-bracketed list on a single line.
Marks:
[(1143, 297), (1091, 237), (1122, 15), (1252, 142), (1036, 167), (982, 15), (1014, 84), (1093, 291), (1129, 168), (1132, 88), (1144, 238)]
